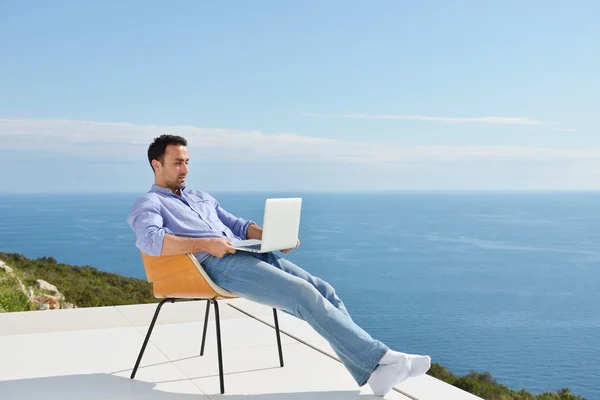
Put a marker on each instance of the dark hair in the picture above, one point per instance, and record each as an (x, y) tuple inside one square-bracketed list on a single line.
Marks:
[(156, 150)]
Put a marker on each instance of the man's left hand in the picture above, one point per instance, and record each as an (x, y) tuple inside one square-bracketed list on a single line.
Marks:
[(288, 250)]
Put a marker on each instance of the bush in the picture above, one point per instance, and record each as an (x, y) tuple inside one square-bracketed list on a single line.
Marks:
[(11, 297), (83, 286), (482, 384)]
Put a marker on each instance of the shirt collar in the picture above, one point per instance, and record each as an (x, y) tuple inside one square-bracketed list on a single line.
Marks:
[(160, 189)]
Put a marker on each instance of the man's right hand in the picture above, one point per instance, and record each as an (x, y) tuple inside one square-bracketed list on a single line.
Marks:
[(219, 247)]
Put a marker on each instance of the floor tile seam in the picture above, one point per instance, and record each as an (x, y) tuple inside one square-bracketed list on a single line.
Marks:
[(124, 316), (145, 325), (68, 330), (72, 330)]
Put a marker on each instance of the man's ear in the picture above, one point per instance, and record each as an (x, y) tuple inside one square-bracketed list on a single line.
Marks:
[(155, 165)]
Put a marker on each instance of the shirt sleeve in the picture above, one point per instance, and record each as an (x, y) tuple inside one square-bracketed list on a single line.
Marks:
[(147, 223), (238, 226)]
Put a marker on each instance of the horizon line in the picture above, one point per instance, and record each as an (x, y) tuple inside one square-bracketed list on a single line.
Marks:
[(317, 191)]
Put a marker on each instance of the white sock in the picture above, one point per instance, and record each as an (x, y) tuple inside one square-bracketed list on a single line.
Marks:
[(392, 357), (389, 373), (419, 365)]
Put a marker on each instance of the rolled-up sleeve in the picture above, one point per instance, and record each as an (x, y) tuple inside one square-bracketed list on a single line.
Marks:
[(238, 226), (147, 223)]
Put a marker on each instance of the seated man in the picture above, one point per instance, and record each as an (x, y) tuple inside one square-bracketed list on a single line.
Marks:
[(171, 219)]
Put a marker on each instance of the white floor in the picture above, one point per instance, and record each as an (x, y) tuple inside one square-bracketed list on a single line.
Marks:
[(89, 354)]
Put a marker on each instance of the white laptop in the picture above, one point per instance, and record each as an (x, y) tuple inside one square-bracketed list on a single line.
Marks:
[(281, 224)]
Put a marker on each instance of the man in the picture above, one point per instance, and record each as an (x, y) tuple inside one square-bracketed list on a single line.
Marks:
[(171, 219)]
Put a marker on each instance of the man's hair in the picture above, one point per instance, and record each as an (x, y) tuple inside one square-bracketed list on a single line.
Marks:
[(156, 150)]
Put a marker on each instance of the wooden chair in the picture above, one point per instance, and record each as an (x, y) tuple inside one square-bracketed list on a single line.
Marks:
[(181, 277)]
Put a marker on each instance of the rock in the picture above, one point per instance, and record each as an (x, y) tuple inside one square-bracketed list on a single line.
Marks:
[(46, 302), (41, 301), (46, 286), (6, 268)]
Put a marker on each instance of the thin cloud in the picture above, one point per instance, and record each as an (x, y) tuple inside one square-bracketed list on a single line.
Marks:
[(565, 130), (446, 120), (117, 139)]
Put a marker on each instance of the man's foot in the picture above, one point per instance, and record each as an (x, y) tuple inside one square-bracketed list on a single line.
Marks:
[(387, 375)]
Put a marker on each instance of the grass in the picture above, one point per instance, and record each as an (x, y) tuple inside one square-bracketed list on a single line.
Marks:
[(11, 297)]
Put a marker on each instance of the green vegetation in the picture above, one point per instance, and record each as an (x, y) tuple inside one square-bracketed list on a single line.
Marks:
[(82, 286), (89, 287), (12, 297), (483, 385)]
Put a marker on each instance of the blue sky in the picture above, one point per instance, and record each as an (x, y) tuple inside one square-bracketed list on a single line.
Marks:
[(303, 95)]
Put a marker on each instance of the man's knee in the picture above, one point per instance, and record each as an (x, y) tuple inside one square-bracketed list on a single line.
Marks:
[(323, 286), (306, 295)]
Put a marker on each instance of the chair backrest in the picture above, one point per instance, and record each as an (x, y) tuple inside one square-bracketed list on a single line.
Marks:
[(181, 276)]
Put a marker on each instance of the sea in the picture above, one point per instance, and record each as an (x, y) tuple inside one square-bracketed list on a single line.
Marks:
[(503, 282)]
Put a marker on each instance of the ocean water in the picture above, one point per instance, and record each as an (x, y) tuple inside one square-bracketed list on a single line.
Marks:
[(502, 282)]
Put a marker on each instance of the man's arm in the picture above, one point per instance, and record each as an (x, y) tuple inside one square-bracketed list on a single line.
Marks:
[(154, 239), (254, 232), (173, 245), (218, 247), (147, 223)]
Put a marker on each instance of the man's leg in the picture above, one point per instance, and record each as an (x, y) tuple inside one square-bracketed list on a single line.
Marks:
[(394, 366), (323, 287), (259, 281)]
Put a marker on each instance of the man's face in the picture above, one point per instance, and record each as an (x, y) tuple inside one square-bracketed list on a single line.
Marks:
[(173, 171)]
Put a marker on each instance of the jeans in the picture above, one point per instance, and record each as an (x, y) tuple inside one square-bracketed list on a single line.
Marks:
[(276, 282)]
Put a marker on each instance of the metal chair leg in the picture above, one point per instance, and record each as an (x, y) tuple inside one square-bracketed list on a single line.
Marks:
[(205, 325), (139, 359), (278, 336), (218, 326), (219, 352)]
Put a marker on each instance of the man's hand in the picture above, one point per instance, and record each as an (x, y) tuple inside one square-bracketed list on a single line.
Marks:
[(288, 250), (219, 247)]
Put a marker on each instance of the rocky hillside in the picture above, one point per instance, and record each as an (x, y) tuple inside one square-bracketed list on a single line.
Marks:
[(15, 296), (43, 284)]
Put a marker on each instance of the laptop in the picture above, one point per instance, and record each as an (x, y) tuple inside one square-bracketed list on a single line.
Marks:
[(281, 224)]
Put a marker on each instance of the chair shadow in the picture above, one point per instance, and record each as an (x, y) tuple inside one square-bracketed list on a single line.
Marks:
[(109, 387)]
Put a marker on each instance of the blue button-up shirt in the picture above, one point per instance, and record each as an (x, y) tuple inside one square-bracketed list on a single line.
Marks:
[(195, 214)]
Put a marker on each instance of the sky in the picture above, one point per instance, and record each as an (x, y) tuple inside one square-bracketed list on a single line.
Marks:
[(301, 95)]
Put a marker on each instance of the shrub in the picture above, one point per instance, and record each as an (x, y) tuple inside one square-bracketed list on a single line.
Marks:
[(12, 297), (83, 286)]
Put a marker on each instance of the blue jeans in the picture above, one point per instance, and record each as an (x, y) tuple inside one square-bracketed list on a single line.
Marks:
[(276, 282)]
